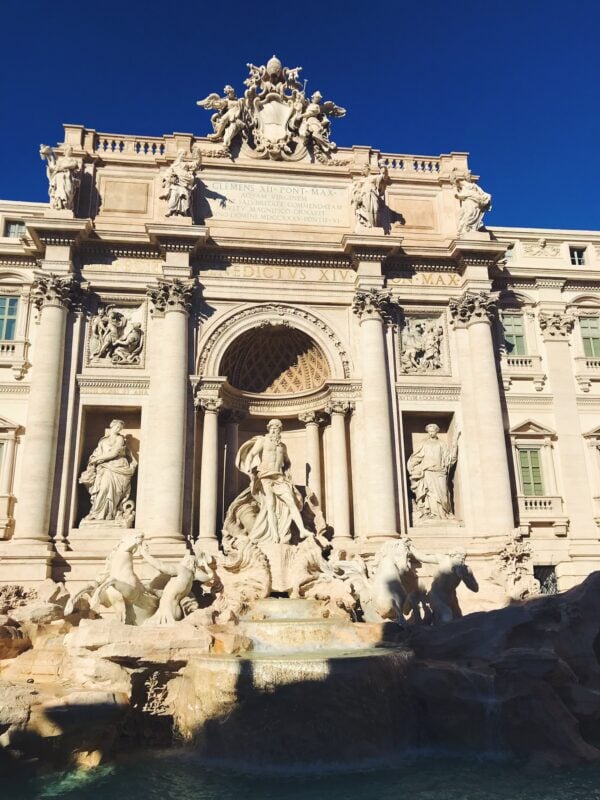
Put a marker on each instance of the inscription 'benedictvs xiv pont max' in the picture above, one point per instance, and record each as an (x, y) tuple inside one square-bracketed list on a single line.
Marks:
[(311, 364)]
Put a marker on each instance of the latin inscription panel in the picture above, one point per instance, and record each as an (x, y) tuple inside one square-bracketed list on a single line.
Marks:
[(285, 204)]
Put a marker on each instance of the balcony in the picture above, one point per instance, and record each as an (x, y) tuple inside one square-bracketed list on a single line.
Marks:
[(13, 354), (543, 509), (514, 367), (587, 369)]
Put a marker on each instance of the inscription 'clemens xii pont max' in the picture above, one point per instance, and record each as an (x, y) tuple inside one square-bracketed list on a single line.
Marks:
[(277, 202)]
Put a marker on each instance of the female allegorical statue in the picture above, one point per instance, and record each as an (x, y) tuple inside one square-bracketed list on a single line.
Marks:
[(428, 468), (108, 476)]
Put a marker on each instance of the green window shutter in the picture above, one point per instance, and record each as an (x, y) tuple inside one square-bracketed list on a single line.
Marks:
[(590, 334), (531, 472), (514, 334), (8, 317)]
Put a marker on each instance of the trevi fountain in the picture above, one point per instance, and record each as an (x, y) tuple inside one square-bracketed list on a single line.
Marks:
[(298, 471)]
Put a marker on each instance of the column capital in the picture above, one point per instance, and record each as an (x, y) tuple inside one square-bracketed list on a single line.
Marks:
[(311, 417), (556, 326), (472, 307), (372, 304), (173, 295), (336, 406), (210, 405), (49, 289)]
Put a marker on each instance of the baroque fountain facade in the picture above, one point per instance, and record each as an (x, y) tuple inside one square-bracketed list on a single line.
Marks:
[(272, 412)]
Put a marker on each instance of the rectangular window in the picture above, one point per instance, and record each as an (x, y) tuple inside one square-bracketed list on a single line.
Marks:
[(590, 333), (14, 228), (531, 472), (8, 317), (514, 334), (577, 255)]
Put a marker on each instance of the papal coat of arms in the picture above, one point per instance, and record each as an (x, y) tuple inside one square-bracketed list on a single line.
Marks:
[(274, 118)]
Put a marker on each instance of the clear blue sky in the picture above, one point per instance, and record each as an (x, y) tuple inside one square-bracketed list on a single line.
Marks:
[(516, 84)]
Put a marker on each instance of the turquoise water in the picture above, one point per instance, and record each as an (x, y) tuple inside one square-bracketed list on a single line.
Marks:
[(183, 777)]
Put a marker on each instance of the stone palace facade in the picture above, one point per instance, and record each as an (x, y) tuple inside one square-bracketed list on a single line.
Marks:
[(434, 378)]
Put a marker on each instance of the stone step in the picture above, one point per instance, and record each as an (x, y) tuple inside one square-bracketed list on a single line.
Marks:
[(286, 608), (305, 635)]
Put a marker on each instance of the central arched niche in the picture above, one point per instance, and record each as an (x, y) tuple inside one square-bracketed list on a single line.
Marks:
[(274, 359)]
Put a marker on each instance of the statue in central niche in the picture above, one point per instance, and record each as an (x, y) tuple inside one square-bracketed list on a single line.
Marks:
[(266, 462)]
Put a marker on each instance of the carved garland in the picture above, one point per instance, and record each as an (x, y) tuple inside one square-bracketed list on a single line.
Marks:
[(284, 313)]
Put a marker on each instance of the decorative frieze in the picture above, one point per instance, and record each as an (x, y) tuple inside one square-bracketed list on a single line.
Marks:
[(472, 307), (175, 295)]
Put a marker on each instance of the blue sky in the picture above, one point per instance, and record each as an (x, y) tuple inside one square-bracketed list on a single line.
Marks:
[(516, 84)]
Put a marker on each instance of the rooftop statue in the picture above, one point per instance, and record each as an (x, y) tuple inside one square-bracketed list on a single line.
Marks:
[(274, 118), (178, 183), (63, 177), (474, 202), (367, 197)]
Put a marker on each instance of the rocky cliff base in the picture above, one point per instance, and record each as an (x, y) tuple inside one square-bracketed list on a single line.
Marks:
[(287, 685)]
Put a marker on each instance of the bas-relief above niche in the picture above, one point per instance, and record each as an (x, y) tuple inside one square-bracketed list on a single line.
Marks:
[(116, 337), (423, 344)]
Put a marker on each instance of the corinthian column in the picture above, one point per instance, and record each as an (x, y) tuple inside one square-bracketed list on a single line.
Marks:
[(340, 494), (474, 311), (371, 305), (209, 473), (312, 420), (53, 297), (165, 456), (556, 327)]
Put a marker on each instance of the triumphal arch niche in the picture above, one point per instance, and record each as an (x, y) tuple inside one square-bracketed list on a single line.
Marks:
[(259, 335)]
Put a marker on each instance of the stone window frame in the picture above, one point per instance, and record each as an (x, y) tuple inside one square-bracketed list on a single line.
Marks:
[(129, 301), (592, 440), (526, 366), (14, 352), (429, 313), (586, 368), (10, 433)]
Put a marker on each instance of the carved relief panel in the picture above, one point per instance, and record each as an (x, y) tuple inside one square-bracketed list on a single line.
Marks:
[(423, 343), (116, 337)]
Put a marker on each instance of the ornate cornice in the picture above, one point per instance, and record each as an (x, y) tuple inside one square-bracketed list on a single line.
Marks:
[(556, 326), (372, 304), (420, 391), (113, 385), (471, 307), (175, 295), (272, 259), (13, 388)]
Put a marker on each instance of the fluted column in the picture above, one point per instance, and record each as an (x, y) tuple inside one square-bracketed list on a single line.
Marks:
[(53, 297), (209, 472), (474, 311), (371, 306), (312, 477), (340, 489), (168, 403)]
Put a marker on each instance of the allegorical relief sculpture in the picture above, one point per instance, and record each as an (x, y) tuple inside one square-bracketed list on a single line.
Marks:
[(474, 202), (274, 117), (429, 467), (115, 337), (178, 184), (271, 492), (421, 345), (63, 177), (367, 198), (107, 478)]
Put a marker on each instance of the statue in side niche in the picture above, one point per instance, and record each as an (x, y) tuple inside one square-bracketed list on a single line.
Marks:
[(367, 198), (63, 177), (265, 460), (178, 183), (107, 478), (474, 202), (428, 469)]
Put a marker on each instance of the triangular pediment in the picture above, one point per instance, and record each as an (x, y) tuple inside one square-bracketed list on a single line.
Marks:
[(8, 425), (531, 428), (593, 434)]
